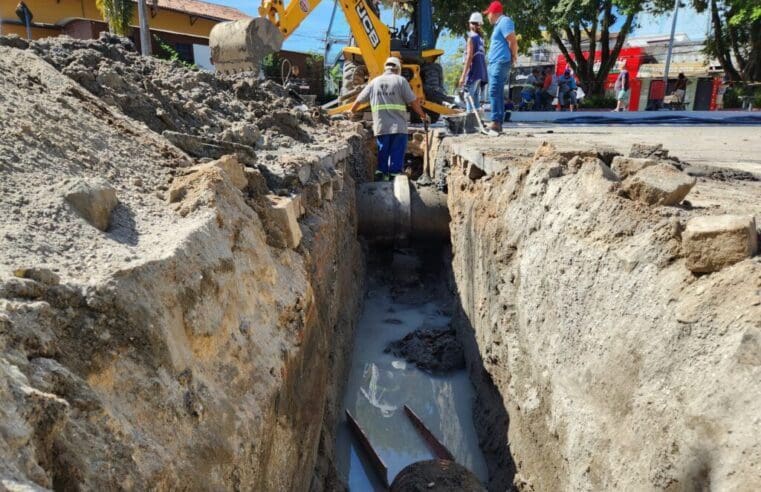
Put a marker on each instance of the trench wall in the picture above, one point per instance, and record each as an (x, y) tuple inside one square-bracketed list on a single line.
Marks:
[(216, 366), (611, 366)]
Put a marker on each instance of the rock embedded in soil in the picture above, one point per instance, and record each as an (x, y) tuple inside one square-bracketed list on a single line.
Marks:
[(433, 350), (660, 184), (283, 214), (626, 166), (42, 275), (93, 199), (714, 242), (648, 151)]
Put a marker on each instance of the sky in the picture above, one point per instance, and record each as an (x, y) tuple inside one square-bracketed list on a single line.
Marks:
[(310, 36)]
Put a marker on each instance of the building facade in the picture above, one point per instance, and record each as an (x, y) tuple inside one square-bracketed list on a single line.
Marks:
[(183, 25), (645, 57)]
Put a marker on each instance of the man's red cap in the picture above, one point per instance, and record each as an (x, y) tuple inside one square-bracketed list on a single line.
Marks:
[(494, 8)]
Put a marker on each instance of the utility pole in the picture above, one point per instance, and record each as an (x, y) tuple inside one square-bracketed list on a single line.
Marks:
[(28, 23), (671, 48), (328, 45), (145, 33)]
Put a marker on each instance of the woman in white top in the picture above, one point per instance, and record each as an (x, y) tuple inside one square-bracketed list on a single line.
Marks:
[(474, 74)]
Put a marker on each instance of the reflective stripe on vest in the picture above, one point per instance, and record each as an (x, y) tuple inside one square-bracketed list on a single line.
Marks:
[(388, 107)]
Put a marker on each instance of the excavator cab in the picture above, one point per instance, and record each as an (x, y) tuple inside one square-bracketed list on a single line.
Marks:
[(416, 35)]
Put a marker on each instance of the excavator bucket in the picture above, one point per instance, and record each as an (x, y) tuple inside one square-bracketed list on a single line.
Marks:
[(241, 45)]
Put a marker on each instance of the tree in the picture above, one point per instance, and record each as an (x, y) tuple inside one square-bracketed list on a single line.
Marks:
[(575, 26), (735, 38), (579, 26), (118, 14), (452, 65)]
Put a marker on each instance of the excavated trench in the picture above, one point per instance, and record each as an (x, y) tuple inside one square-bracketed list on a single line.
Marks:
[(584, 315), (181, 280), (414, 348), (408, 294)]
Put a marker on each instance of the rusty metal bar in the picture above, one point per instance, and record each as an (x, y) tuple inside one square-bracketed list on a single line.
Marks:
[(380, 467), (436, 446)]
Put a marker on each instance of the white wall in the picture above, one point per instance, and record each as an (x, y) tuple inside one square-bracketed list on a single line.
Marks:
[(202, 57)]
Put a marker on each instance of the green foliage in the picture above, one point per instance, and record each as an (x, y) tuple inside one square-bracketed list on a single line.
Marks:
[(453, 15), (335, 74), (576, 26), (735, 37), (452, 64), (597, 101), (167, 52), (732, 99), (118, 14), (271, 66)]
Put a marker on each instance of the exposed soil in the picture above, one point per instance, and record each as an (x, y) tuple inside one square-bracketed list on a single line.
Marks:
[(172, 347), (614, 365)]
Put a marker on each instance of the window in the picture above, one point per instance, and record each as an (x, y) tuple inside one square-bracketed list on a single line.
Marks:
[(185, 50)]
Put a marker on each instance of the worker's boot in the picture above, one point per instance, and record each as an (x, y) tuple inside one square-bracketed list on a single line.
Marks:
[(495, 126)]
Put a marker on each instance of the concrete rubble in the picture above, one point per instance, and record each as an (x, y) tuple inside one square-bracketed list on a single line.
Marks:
[(659, 184), (714, 242), (626, 166), (93, 200)]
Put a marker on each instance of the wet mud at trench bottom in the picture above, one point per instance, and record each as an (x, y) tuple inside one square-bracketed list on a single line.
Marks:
[(406, 292)]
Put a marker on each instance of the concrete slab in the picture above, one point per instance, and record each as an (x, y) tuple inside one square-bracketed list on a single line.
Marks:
[(714, 242), (284, 212)]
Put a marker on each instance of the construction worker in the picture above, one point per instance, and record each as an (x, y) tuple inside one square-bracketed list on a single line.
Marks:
[(388, 95), (503, 51), (474, 75)]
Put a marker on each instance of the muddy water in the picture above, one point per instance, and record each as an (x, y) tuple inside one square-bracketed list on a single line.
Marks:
[(381, 384)]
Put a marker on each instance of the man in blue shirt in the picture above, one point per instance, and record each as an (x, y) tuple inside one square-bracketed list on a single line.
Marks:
[(503, 49)]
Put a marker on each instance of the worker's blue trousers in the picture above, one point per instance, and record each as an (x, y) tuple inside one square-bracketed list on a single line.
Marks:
[(499, 73), (391, 150)]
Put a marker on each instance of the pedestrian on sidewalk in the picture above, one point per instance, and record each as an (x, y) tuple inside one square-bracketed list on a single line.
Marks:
[(388, 95), (567, 90), (550, 90), (621, 87), (680, 88), (503, 51), (474, 75)]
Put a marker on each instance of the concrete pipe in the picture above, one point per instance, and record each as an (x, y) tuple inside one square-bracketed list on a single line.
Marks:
[(398, 210)]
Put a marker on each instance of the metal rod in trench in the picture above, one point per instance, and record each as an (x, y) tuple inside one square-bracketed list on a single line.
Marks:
[(380, 467), (436, 446)]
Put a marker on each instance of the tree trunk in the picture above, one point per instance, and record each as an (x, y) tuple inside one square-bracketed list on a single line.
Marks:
[(753, 65), (722, 53)]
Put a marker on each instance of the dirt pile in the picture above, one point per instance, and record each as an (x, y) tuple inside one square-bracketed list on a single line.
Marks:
[(618, 366), (154, 331), (167, 96)]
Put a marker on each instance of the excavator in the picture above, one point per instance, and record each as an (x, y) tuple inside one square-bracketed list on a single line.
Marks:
[(241, 46)]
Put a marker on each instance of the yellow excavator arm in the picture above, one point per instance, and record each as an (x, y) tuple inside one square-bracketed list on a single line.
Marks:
[(241, 45)]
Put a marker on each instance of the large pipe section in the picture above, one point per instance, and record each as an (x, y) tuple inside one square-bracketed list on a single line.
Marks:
[(398, 211)]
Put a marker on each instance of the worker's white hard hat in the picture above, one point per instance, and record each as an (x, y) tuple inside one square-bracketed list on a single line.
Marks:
[(476, 18), (393, 61)]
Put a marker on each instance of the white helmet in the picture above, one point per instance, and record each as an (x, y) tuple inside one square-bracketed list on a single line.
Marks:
[(393, 61), (476, 18)]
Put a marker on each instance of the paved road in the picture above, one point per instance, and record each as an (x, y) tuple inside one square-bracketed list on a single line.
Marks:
[(736, 147)]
